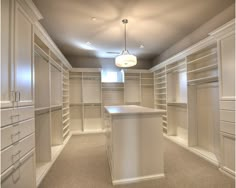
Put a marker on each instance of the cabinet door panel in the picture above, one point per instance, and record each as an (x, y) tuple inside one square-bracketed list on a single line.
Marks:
[(6, 53), (23, 58), (227, 67)]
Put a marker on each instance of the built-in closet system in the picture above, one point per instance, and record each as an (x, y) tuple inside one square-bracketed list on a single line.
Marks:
[(88, 96), (43, 99), (34, 97), (197, 88)]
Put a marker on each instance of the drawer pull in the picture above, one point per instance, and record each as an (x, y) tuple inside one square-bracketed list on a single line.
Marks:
[(14, 135), (18, 159)]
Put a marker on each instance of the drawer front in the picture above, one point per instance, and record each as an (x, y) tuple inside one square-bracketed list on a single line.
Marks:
[(26, 113), (21, 177), (227, 105), (15, 132), (227, 127), (228, 153), (15, 115), (226, 115), (12, 155)]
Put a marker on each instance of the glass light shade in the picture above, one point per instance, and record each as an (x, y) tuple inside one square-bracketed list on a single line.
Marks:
[(126, 60)]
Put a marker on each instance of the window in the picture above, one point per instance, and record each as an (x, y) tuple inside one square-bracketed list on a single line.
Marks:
[(112, 76)]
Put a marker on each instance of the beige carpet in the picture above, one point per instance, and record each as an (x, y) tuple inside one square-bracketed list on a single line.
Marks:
[(83, 164)]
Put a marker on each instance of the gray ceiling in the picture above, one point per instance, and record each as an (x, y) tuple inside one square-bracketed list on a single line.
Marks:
[(157, 24)]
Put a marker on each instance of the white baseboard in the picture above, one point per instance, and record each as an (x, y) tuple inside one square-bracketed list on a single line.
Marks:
[(137, 179), (87, 132), (227, 172)]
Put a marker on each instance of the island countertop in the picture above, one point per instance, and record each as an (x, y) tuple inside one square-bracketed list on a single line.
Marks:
[(132, 109)]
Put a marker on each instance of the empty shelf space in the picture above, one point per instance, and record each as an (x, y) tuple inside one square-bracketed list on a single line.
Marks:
[(175, 67), (202, 69), (177, 104), (203, 80), (201, 58), (41, 109)]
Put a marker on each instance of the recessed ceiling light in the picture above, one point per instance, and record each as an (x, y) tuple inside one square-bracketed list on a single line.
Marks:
[(141, 46), (93, 18), (88, 43)]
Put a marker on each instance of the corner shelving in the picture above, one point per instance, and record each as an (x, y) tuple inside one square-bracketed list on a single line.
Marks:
[(160, 92)]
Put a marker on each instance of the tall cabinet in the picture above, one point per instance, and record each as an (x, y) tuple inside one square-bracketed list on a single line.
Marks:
[(17, 94), (225, 37)]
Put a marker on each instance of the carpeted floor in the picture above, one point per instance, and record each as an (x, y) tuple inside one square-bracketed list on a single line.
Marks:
[(83, 164)]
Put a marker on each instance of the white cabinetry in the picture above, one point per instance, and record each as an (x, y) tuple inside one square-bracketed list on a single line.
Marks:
[(23, 59), (6, 60), (226, 50)]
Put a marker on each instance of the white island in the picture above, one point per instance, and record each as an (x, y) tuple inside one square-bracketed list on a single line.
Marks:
[(134, 143)]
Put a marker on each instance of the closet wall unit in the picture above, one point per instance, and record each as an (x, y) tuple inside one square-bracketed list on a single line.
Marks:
[(17, 94), (88, 96), (51, 105), (197, 87), (85, 101)]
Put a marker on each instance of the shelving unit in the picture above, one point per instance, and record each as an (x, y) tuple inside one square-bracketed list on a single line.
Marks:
[(85, 102), (147, 90), (65, 102), (75, 97), (112, 94), (51, 106), (203, 102), (177, 101), (160, 96), (132, 89)]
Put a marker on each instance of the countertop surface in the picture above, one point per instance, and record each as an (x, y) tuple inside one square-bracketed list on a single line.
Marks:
[(132, 109)]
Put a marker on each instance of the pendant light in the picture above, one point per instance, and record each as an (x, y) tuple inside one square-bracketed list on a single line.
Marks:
[(125, 59)]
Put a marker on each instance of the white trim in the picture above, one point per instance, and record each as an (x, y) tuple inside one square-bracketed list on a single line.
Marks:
[(194, 150), (137, 179), (31, 10), (226, 29), (44, 36), (87, 132)]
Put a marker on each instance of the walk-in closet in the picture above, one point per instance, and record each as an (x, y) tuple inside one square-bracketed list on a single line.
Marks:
[(105, 94)]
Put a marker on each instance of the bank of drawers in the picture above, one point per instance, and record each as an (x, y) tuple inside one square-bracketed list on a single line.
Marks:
[(17, 148), (227, 128)]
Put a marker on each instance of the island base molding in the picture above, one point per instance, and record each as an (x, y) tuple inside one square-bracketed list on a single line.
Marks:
[(137, 179)]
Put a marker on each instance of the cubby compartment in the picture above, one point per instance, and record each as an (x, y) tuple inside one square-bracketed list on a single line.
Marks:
[(56, 126), (112, 94), (92, 117), (132, 90), (203, 66), (203, 102), (147, 90), (92, 87), (56, 86), (76, 117), (75, 86), (41, 67), (42, 140)]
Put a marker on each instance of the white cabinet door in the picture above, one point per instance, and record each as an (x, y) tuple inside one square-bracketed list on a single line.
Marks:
[(23, 58), (6, 86), (227, 68)]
